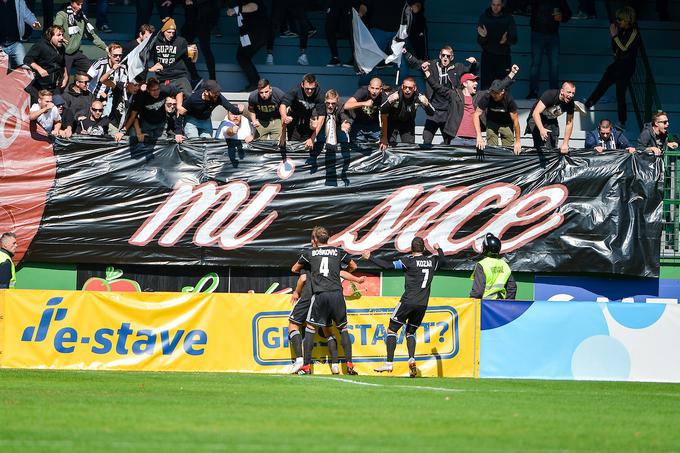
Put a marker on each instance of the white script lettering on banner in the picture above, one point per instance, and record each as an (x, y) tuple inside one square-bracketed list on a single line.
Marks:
[(225, 223), (408, 213)]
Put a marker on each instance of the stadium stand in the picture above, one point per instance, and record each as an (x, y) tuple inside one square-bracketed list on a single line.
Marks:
[(585, 53)]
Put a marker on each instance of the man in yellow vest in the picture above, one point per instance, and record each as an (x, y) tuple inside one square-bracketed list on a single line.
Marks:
[(492, 278), (8, 245)]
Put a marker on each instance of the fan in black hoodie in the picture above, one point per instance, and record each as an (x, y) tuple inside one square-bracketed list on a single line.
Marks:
[(169, 52), (77, 99)]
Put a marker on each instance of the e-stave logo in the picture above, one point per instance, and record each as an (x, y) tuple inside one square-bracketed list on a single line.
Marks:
[(104, 340)]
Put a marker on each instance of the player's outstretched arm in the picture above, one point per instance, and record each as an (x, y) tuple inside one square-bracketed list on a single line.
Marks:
[(381, 263), (351, 277), (442, 258)]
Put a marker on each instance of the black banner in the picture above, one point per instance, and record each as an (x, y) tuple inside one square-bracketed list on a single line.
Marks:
[(205, 203)]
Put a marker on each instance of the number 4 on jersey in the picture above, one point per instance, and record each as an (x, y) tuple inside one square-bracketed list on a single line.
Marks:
[(323, 267)]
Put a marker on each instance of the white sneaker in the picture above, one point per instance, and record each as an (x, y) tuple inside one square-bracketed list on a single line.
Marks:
[(386, 368), (335, 368), (580, 106), (270, 59), (302, 60), (295, 367)]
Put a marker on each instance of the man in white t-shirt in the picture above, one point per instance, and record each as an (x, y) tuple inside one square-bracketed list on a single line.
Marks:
[(46, 113), (235, 127)]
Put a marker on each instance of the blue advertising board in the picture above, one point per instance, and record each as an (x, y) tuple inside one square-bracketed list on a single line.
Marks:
[(595, 289)]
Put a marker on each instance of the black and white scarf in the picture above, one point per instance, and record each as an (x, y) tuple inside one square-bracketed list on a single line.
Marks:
[(73, 28)]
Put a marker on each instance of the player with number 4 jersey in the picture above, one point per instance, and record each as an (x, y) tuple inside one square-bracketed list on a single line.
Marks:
[(328, 305), (419, 272)]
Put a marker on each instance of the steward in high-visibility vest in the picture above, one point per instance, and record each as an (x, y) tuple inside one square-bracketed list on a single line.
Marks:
[(8, 245), (492, 277)]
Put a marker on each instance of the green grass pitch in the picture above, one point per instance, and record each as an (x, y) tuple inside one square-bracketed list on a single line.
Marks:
[(131, 411)]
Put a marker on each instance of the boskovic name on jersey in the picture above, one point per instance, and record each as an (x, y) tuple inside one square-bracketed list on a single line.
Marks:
[(324, 252)]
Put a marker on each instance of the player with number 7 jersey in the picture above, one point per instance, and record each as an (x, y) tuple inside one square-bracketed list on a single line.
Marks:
[(410, 310), (328, 305)]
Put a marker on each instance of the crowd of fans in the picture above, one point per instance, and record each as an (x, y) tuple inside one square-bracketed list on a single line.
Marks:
[(104, 100)]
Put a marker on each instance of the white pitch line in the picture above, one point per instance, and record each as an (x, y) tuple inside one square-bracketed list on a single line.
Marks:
[(348, 381), (419, 387)]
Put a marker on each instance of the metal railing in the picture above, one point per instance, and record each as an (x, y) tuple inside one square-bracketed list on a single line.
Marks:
[(670, 237)]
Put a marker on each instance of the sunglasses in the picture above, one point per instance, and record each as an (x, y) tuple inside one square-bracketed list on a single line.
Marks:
[(97, 110), (445, 55), (662, 122), (81, 81), (117, 55)]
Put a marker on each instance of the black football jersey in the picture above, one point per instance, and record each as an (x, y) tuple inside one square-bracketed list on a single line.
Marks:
[(419, 272), (306, 292), (324, 265)]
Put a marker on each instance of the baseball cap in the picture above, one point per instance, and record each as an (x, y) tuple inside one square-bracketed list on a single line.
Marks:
[(467, 76), (212, 86), (58, 100), (496, 86)]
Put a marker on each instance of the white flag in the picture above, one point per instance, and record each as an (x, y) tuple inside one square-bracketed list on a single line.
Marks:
[(138, 57), (367, 54)]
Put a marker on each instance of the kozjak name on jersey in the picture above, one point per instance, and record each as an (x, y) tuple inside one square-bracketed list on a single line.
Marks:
[(123, 339)]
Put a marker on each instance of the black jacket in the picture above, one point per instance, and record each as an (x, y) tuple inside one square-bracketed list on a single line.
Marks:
[(542, 20), (495, 27), (78, 103), (648, 139), (173, 56), (456, 100), (625, 45), (448, 77), (51, 59)]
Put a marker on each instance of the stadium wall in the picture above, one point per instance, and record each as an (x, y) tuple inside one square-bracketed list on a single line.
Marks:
[(95, 330), (582, 340)]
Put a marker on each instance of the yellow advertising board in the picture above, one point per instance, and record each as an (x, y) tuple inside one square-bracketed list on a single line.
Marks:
[(215, 332)]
